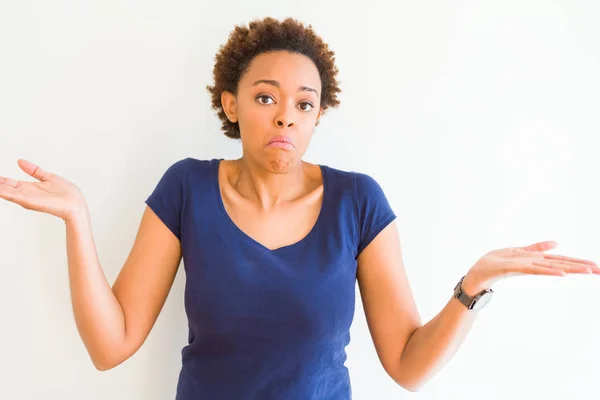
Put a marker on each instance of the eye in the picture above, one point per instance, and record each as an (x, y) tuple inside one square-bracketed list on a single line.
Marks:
[(306, 102), (263, 97)]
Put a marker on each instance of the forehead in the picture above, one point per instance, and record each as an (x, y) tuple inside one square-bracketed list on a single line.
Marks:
[(290, 69)]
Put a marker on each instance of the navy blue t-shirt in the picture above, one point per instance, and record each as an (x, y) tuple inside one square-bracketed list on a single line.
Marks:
[(267, 324)]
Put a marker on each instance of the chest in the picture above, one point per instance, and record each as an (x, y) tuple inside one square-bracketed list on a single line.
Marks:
[(281, 227), (293, 295)]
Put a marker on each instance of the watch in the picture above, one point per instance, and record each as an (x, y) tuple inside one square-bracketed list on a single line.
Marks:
[(475, 303)]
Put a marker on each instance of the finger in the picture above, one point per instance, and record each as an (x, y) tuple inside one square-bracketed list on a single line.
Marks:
[(33, 170), (568, 267), (7, 193), (557, 257), (540, 270), (9, 182), (541, 246), (20, 196), (570, 259)]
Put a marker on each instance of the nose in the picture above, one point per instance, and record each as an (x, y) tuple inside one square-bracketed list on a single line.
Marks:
[(282, 121), (285, 118)]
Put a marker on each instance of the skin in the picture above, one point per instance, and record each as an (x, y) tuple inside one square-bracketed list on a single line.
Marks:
[(273, 185)]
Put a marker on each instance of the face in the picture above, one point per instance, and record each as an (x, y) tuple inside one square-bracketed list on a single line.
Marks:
[(278, 96)]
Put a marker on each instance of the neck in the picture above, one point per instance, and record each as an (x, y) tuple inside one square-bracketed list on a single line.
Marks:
[(266, 187)]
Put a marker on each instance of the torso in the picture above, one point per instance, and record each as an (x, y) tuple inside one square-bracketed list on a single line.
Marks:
[(286, 224), (266, 324)]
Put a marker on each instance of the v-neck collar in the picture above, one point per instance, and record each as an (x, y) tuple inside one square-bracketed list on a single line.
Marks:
[(244, 235)]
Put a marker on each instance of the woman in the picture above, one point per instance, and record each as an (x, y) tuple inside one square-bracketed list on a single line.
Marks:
[(272, 246)]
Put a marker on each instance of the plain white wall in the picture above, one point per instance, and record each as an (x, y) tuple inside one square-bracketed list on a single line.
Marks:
[(479, 120)]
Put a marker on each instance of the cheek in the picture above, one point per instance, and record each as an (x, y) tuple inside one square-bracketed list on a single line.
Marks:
[(257, 116)]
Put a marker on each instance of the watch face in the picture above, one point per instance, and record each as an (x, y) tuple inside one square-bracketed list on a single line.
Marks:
[(482, 301)]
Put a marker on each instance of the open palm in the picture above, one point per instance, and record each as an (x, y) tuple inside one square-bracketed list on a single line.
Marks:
[(529, 260), (52, 194)]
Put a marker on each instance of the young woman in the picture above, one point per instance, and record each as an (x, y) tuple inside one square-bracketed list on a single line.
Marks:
[(272, 246)]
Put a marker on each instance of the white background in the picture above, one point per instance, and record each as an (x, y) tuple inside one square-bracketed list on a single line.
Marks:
[(478, 119)]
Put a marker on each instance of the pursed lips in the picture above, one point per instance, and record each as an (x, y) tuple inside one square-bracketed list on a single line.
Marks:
[(281, 139)]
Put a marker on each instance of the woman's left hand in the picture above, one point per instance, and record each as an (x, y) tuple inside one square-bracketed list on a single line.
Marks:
[(527, 260)]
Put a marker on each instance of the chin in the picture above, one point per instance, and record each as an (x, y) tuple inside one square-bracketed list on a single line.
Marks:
[(281, 163)]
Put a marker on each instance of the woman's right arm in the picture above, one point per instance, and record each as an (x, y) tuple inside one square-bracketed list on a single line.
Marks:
[(114, 322)]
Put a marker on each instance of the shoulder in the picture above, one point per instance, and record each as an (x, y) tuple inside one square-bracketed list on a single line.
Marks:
[(179, 172), (359, 182), (335, 175), (195, 163), (179, 167), (366, 184), (187, 165)]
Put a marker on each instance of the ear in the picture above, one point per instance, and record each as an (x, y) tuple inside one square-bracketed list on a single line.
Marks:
[(319, 116), (229, 104)]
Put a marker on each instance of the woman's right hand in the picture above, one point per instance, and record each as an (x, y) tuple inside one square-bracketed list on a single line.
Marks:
[(53, 195)]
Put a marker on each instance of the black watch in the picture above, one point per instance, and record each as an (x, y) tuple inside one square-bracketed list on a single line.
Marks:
[(472, 303)]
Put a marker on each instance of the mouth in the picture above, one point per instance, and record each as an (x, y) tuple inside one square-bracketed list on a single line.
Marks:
[(281, 142), (281, 145)]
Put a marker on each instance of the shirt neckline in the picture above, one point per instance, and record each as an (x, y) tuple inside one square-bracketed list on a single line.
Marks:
[(216, 185)]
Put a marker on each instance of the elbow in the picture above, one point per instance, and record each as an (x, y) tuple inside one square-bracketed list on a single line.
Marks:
[(411, 387), (104, 365), (107, 362), (408, 383)]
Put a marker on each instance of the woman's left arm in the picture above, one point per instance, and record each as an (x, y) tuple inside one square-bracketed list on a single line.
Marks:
[(412, 353)]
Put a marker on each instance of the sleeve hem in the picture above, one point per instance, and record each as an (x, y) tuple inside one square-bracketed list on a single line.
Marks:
[(357, 204), (376, 232), (161, 216)]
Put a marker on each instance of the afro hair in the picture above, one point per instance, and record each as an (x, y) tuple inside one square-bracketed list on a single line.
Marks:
[(266, 35)]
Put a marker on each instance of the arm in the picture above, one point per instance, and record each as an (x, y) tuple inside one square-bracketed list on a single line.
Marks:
[(432, 345), (114, 322), (410, 352)]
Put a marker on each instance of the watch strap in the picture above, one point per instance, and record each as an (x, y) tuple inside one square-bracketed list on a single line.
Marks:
[(459, 294), (465, 299)]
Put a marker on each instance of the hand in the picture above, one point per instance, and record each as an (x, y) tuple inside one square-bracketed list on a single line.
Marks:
[(528, 260), (52, 195)]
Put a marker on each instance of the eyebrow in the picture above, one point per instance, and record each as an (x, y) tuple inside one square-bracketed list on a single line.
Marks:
[(277, 84)]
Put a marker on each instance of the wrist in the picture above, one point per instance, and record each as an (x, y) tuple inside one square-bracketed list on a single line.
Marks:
[(78, 212), (473, 284)]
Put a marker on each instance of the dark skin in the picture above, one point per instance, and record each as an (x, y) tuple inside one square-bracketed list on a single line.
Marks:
[(272, 186), (266, 175)]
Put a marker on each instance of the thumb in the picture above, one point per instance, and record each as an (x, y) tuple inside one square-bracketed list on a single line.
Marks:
[(541, 246), (33, 170)]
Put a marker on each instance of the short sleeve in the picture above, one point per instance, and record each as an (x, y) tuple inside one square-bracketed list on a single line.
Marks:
[(374, 210), (167, 198)]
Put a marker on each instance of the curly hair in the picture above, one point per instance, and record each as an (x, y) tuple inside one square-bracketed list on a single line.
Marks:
[(269, 34)]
